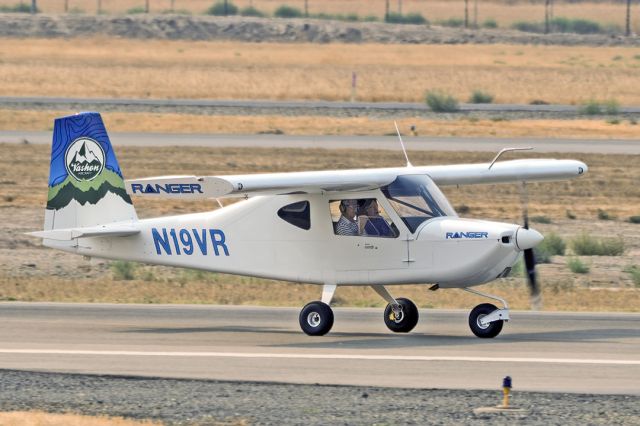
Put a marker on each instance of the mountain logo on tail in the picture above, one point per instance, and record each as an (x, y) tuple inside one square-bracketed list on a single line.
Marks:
[(84, 159)]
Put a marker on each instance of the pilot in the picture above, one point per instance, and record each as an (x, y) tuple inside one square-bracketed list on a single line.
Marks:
[(347, 224), (371, 221)]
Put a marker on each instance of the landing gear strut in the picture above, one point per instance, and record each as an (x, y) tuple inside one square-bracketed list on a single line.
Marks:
[(486, 320), (316, 318)]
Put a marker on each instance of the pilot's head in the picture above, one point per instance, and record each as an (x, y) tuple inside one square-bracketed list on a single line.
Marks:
[(368, 207), (348, 208)]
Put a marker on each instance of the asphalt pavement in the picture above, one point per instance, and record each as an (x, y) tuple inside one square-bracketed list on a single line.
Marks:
[(549, 352), (547, 145)]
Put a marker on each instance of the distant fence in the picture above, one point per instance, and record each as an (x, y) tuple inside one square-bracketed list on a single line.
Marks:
[(542, 16)]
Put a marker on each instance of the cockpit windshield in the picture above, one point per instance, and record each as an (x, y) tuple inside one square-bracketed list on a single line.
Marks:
[(417, 199)]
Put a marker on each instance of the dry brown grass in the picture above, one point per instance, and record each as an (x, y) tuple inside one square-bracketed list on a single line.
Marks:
[(38, 418), (189, 287), (504, 12), (313, 125), (100, 67)]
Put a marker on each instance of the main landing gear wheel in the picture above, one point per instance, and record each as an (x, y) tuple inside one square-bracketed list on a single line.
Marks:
[(488, 330), (316, 318), (405, 320)]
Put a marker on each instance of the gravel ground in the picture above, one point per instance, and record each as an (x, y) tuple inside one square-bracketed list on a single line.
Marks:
[(279, 30), (210, 402)]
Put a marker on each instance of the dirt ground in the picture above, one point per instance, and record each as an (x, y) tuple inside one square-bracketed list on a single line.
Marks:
[(31, 272)]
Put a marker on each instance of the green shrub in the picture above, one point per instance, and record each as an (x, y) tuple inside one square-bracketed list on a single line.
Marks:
[(529, 27), (136, 10), (441, 102), (591, 108), (285, 11), (251, 11), (635, 274), (586, 245), (612, 107), (17, 8), (480, 97), (542, 254), (490, 23), (123, 270), (176, 12), (604, 215), (540, 219), (218, 9), (583, 26), (561, 25), (570, 215), (577, 266), (613, 121), (538, 102), (410, 18), (553, 244), (634, 219), (463, 209), (371, 18), (451, 22)]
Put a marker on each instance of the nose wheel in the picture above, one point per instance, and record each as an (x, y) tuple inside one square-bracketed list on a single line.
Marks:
[(479, 321)]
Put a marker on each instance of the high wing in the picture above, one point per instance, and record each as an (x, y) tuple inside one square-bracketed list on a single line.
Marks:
[(529, 170)]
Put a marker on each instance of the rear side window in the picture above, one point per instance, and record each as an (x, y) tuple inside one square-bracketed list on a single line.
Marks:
[(298, 214)]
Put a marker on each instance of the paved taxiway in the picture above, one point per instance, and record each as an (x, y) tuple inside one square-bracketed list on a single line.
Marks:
[(562, 352), (598, 146)]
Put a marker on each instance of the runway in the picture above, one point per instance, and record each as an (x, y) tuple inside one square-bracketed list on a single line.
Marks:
[(559, 352), (546, 145)]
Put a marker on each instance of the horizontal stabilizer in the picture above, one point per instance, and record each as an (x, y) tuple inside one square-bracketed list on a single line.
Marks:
[(68, 234), (189, 187)]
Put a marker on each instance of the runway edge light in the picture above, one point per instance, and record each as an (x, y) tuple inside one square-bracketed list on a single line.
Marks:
[(505, 407)]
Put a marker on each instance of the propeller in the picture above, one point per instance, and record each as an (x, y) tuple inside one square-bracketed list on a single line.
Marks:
[(530, 257)]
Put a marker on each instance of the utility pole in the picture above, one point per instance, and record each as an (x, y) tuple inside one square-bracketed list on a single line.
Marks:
[(306, 8), (146, 6), (34, 7), (475, 14), (466, 13), (386, 11), (547, 16), (66, 6), (226, 8), (99, 7), (628, 31)]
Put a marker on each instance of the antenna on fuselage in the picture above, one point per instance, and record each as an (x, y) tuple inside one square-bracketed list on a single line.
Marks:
[(402, 145)]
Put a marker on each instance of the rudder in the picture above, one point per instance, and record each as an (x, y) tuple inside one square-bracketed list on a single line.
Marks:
[(86, 186)]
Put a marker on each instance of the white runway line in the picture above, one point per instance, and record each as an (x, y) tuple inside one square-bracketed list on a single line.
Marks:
[(321, 356)]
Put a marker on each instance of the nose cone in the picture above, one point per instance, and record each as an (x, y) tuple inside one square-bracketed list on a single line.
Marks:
[(528, 238)]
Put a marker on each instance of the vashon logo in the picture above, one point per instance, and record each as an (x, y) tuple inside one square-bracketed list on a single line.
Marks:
[(84, 159)]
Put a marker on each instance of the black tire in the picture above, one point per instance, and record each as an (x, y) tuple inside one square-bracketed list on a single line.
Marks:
[(408, 320), (316, 318), (488, 331)]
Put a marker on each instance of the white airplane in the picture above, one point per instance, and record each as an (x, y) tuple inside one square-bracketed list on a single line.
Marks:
[(367, 227)]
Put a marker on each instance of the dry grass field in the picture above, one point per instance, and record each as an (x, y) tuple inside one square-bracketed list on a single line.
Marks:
[(114, 68), (29, 272), (504, 13), (37, 418), (314, 125)]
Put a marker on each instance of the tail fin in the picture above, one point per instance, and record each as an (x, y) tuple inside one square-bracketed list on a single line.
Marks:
[(86, 187)]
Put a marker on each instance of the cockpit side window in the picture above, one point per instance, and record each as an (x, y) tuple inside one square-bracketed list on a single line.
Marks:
[(417, 199), (298, 214)]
